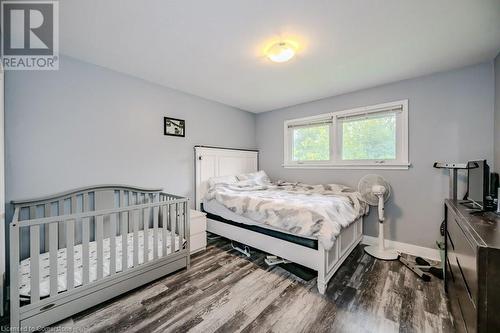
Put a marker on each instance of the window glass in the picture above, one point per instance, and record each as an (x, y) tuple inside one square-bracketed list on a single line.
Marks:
[(311, 143), (369, 138)]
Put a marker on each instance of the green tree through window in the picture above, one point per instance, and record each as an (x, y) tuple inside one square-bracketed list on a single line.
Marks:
[(311, 143), (372, 138)]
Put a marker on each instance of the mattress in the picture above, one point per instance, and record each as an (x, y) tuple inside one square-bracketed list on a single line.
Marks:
[(216, 208), (307, 242), (319, 211), (44, 262)]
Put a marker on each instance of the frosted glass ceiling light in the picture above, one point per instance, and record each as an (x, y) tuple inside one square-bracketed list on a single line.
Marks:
[(281, 52)]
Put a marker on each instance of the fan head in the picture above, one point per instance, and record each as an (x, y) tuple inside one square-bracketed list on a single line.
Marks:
[(372, 186)]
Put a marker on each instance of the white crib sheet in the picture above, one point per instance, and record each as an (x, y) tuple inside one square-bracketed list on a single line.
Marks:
[(24, 265)]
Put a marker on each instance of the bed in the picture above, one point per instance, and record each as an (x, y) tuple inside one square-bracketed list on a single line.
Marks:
[(76, 249), (309, 249)]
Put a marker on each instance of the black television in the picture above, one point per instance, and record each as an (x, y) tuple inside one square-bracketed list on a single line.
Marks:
[(478, 176)]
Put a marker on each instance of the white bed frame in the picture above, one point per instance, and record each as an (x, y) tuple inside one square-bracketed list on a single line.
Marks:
[(77, 217), (213, 162)]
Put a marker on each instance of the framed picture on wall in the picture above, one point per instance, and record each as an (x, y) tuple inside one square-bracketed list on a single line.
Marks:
[(174, 127)]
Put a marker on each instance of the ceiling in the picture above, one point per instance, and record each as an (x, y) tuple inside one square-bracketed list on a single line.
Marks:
[(213, 49)]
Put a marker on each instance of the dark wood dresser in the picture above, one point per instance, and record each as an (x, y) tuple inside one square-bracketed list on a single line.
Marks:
[(472, 277)]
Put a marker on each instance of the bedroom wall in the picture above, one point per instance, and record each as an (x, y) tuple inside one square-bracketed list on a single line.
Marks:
[(497, 113), (450, 119), (85, 125)]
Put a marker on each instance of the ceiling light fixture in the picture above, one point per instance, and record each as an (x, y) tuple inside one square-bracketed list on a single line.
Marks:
[(281, 52)]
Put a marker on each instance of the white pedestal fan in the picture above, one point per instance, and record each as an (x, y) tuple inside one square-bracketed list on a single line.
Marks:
[(375, 190)]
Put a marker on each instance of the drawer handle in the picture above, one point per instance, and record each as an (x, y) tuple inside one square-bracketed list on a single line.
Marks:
[(465, 281), (46, 307)]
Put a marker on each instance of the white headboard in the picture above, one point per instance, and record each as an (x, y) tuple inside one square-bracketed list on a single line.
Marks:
[(214, 162)]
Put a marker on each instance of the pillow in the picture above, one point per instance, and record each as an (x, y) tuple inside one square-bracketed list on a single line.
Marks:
[(259, 177), (222, 180)]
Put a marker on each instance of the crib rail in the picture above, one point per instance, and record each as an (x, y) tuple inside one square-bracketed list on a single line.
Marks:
[(162, 216)]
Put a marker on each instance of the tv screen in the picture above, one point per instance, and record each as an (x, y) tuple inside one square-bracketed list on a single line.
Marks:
[(477, 182)]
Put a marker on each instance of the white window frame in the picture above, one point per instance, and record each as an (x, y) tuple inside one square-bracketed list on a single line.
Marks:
[(336, 162)]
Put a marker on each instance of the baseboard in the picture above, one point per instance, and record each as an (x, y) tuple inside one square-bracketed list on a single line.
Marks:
[(411, 249)]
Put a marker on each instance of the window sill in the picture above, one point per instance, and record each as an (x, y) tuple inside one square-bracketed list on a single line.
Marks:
[(403, 166)]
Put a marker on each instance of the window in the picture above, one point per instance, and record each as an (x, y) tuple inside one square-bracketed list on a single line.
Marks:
[(368, 137), (311, 143)]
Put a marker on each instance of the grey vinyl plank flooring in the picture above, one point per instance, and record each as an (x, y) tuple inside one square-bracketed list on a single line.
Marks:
[(227, 292)]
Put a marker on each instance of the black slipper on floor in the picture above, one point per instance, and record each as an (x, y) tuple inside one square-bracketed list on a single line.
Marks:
[(302, 272), (421, 261), (437, 272)]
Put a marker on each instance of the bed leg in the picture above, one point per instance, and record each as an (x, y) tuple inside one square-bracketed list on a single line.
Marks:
[(321, 286), (322, 272)]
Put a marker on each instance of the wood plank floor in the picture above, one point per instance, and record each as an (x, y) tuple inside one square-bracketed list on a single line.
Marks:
[(227, 292)]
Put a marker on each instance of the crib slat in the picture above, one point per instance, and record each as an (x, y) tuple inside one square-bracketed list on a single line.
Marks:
[(35, 263), (135, 222), (181, 222), (100, 252), (112, 244), (146, 234), (32, 217), (53, 244), (186, 222), (32, 212), (85, 240), (124, 231), (155, 232), (60, 207), (169, 220), (73, 204), (85, 204), (85, 249), (173, 221), (61, 228), (70, 260), (164, 223), (47, 213)]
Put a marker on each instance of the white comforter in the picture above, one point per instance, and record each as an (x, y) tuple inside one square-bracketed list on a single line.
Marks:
[(318, 211)]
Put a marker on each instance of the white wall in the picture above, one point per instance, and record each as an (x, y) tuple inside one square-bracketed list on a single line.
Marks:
[(85, 125), (2, 192), (497, 113), (450, 119)]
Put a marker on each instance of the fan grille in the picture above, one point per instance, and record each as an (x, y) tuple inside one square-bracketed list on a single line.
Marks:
[(365, 188)]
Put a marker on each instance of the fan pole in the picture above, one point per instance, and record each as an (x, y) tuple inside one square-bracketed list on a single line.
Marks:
[(380, 251), (375, 190), (381, 219), (381, 240)]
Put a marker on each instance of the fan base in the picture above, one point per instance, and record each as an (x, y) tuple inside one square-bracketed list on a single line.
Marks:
[(383, 254)]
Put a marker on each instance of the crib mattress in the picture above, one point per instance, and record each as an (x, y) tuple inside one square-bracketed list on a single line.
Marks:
[(44, 262)]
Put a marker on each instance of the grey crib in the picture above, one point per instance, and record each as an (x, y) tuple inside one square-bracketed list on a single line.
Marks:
[(73, 250)]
